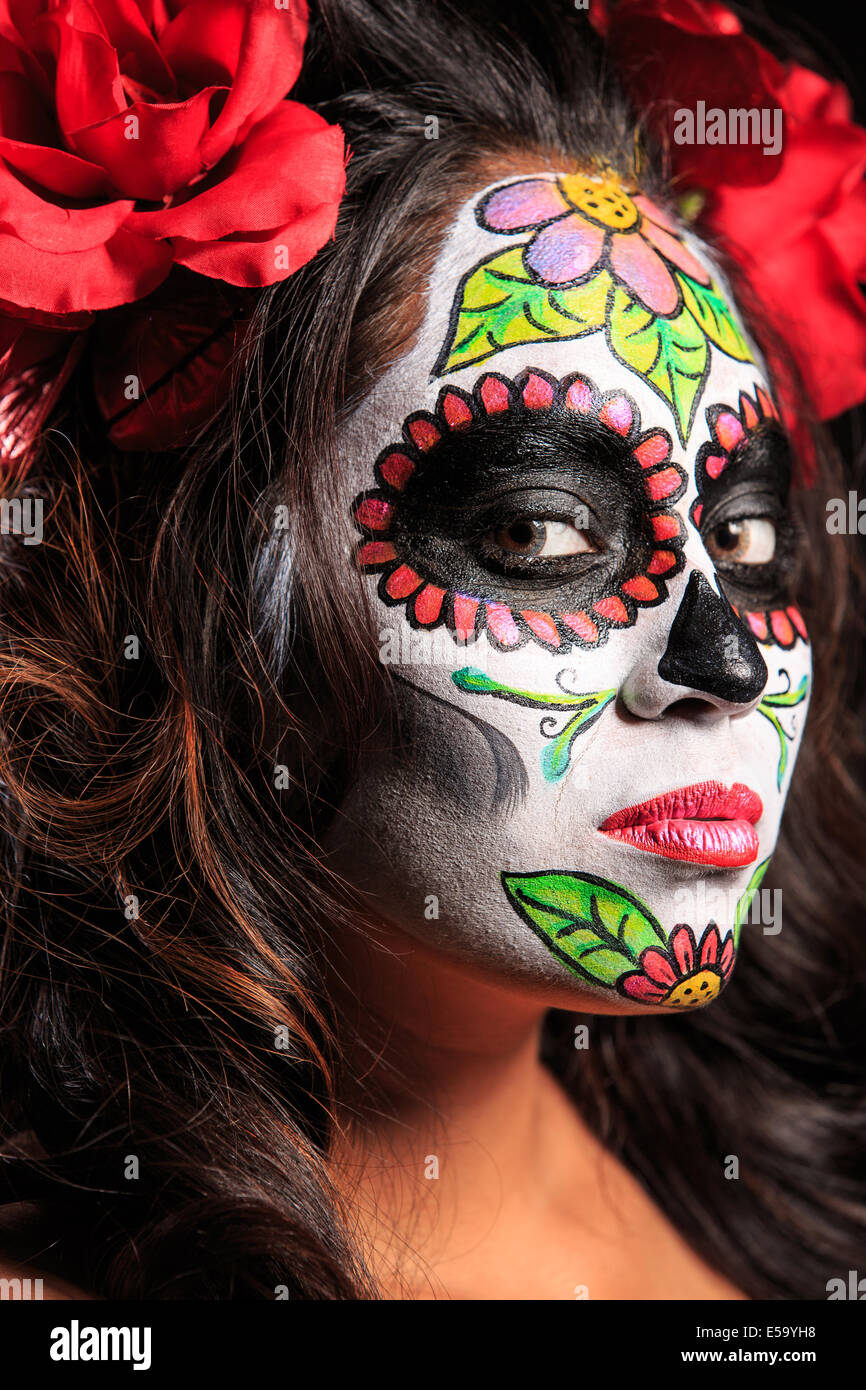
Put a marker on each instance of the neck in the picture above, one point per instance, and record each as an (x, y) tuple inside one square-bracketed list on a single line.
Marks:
[(448, 1106)]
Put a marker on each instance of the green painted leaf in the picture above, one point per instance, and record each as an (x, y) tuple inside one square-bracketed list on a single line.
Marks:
[(476, 682), (746, 900), (498, 305), (671, 354), (782, 765), (715, 317), (783, 699), (788, 697), (596, 927), (556, 758)]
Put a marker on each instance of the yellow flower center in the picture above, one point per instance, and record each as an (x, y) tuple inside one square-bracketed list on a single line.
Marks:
[(601, 200), (695, 989)]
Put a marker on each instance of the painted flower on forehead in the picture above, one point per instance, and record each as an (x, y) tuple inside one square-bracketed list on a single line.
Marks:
[(592, 256), (732, 432), (430, 597), (582, 224), (682, 976)]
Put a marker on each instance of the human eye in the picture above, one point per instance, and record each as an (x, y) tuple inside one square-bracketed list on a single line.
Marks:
[(538, 539), (748, 540)]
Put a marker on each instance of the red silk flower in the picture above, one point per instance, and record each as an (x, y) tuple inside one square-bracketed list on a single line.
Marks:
[(793, 222), (140, 135)]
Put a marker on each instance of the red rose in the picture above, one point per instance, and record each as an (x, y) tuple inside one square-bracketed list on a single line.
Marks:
[(793, 221), (139, 134)]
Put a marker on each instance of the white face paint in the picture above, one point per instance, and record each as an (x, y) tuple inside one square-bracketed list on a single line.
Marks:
[(554, 614)]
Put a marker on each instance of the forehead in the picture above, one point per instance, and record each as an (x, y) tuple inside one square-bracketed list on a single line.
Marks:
[(572, 273)]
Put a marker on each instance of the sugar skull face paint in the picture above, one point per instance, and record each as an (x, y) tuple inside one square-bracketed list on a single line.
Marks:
[(597, 258), (574, 530)]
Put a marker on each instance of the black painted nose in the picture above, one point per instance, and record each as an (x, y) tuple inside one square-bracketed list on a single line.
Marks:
[(710, 650)]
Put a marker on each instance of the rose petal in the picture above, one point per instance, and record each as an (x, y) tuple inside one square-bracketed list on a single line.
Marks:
[(151, 151), (133, 41), (60, 174), (125, 268), (44, 225), (87, 84), (291, 165), (253, 43)]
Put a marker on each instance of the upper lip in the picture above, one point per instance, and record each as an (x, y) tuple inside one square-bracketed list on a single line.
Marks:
[(702, 801)]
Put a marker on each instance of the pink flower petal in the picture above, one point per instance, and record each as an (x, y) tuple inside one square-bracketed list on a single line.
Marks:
[(403, 582), (797, 619), (542, 625), (683, 947), (617, 414), (565, 250), (711, 945), (537, 392), (665, 527), (663, 483), (658, 968), (639, 987), (641, 589), (653, 450), (654, 213), (715, 464), (500, 622), (782, 628), (424, 432), (374, 512), (644, 272), (728, 431), (375, 553), (582, 624), (579, 397), (673, 250), (758, 623), (521, 206), (661, 562), (396, 470), (428, 605), (611, 608), (748, 413), (456, 410), (494, 394), (465, 612)]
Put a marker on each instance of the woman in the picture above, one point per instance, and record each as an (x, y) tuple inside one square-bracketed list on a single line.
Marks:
[(383, 771)]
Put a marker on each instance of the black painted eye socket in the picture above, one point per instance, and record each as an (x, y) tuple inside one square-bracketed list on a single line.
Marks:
[(743, 517), (523, 505)]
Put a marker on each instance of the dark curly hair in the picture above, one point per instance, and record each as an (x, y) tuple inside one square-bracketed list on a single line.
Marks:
[(166, 917)]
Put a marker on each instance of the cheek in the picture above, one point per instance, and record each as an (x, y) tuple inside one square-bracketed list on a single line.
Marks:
[(773, 733)]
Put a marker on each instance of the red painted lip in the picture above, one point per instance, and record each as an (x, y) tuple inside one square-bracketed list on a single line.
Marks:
[(708, 823)]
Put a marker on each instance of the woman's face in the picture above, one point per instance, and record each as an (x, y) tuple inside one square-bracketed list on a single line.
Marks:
[(570, 502)]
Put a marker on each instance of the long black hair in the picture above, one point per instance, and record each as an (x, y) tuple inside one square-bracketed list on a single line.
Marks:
[(170, 1059)]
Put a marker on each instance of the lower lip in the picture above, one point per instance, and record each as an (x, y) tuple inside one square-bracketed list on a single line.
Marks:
[(724, 844)]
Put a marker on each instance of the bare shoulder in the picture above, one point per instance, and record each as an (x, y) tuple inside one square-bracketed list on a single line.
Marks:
[(20, 1283)]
